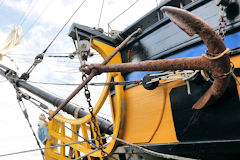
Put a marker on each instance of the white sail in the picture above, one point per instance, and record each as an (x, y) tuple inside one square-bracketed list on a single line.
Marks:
[(13, 39)]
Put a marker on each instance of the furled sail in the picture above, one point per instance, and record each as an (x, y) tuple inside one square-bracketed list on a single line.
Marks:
[(13, 39)]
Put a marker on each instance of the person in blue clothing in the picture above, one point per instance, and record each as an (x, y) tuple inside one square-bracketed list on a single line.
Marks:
[(43, 129)]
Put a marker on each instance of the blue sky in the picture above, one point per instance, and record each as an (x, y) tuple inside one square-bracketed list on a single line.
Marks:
[(15, 134)]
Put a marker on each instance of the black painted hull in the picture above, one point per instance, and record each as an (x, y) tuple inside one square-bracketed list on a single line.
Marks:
[(212, 133), (206, 150)]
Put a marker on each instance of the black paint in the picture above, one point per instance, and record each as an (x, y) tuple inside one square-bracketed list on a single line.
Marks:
[(220, 121)]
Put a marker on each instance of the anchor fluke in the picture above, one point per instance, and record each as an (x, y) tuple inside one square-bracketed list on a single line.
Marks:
[(219, 67), (216, 61)]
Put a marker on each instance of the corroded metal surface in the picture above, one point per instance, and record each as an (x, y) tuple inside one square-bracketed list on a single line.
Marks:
[(93, 73), (191, 24)]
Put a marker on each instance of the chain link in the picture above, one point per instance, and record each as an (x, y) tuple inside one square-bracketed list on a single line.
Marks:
[(93, 118), (83, 56), (222, 26)]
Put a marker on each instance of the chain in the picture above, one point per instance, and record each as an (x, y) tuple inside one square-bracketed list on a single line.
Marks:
[(222, 26), (93, 118), (27, 97), (83, 56)]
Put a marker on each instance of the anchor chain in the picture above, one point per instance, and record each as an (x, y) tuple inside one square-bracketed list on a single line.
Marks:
[(222, 26), (93, 118), (83, 53)]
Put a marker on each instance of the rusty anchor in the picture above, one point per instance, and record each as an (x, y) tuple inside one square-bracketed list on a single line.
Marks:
[(94, 73), (217, 63)]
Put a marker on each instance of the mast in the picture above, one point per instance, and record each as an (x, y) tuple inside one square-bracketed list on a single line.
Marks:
[(105, 125)]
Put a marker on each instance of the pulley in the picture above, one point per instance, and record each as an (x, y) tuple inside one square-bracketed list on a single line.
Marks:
[(147, 82), (83, 50)]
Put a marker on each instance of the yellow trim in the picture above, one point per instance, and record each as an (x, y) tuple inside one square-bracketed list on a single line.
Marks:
[(120, 105), (62, 150), (97, 107), (105, 50), (139, 127), (235, 60), (166, 131), (149, 116), (58, 132)]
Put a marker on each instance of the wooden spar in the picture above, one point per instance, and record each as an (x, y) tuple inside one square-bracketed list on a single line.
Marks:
[(94, 73), (105, 125)]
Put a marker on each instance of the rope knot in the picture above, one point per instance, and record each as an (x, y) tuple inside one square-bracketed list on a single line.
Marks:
[(211, 56)]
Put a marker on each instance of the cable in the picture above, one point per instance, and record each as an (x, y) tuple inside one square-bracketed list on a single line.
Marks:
[(39, 58), (116, 83), (66, 66), (28, 10), (60, 97), (27, 54), (92, 84), (153, 153), (24, 13), (81, 105), (64, 26), (32, 150), (59, 84), (38, 17), (123, 12), (62, 124), (24, 111), (85, 140), (100, 14), (27, 97), (59, 56)]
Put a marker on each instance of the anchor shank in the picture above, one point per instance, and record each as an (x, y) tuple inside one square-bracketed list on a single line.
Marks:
[(195, 63)]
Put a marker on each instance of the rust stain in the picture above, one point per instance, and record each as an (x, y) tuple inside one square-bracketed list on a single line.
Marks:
[(191, 24)]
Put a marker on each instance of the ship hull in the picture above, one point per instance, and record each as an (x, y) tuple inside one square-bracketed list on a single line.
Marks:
[(162, 120), (207, 150)]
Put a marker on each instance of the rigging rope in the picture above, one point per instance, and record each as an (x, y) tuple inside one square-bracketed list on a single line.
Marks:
[(27, 9), (170, 76), (24, 111), (27, 12), (38, 17), (64, 26), (70, 102), (28, 53), (39, 58), (49, 114), (85, 140), (37, 149), (122, 13), (100, 16), (153, 153), (91, 84)]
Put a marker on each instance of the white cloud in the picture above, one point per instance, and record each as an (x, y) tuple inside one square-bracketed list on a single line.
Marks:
[(18, 5)]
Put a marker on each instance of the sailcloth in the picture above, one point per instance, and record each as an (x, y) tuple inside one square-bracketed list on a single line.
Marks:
[(13, 39)]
